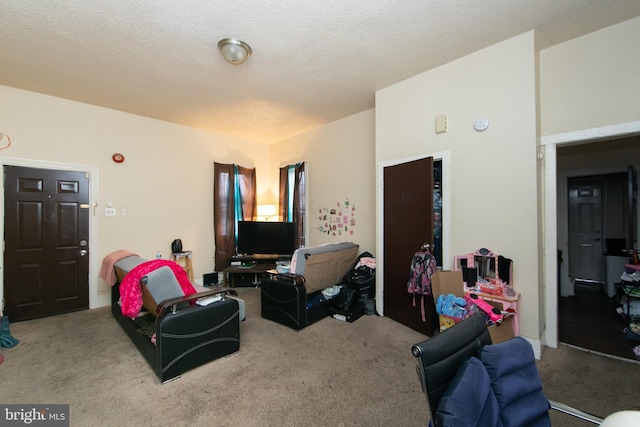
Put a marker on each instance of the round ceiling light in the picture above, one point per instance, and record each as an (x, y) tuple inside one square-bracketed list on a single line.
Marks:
[(234, 51)]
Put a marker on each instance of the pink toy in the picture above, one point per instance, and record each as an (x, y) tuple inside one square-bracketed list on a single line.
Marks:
[(494, 314)]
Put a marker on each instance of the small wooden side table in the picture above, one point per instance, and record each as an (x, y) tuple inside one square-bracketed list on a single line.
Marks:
[(183, 259)]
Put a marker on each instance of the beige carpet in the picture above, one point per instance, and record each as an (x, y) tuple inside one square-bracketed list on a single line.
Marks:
[(329, 374)]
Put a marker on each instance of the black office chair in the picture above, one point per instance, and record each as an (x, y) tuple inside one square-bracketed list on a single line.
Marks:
[(445, 359)]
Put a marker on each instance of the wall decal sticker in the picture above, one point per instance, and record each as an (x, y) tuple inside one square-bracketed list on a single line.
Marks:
[(339, 220)]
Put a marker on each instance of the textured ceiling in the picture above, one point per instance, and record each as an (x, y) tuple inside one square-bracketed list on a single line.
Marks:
[(313, 61)]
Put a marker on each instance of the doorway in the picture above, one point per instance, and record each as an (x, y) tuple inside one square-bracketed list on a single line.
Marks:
[(46, 228), (593, 219)]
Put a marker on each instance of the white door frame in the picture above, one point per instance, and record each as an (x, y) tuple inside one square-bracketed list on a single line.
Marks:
[(93, 191), (549, 145)]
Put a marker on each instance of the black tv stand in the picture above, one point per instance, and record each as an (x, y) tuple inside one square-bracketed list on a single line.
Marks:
[(260, 258), (248, 270)]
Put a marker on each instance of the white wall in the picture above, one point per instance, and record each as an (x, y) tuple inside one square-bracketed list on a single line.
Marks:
[(591, 81), (340, 166), (165, 183), (493, 173)]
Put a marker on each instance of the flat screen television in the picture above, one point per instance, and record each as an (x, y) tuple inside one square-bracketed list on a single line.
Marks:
[(258, 237)]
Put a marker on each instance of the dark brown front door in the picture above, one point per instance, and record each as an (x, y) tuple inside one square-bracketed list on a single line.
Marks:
[(46, 232), (408, 224)]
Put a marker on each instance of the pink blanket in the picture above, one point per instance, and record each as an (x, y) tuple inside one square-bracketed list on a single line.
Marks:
[(107, 271), (131, 291)]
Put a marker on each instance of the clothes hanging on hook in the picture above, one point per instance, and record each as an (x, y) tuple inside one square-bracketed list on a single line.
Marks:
[(423, 265)]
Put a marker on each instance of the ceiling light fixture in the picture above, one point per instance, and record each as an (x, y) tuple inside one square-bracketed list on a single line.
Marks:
[(234, 51)]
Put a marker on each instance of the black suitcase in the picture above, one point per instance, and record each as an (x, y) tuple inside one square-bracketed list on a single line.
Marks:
[(284, 300)]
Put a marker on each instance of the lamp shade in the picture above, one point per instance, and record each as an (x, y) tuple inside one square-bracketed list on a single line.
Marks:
[(266, 210), (234, 51)]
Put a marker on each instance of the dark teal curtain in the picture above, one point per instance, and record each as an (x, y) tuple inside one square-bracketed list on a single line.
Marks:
[(234, 199), (293, 197)]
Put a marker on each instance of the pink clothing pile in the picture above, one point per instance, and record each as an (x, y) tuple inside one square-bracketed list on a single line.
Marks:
[(131, 291)]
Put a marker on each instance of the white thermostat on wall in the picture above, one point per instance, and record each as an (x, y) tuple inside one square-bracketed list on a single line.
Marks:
[(481, 124)]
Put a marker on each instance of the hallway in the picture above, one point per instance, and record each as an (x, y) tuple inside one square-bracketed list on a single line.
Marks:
[(589, 320)]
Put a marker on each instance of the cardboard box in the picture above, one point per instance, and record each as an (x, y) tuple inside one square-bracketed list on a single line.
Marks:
[(447, 282), (502, 332), (450, 282)]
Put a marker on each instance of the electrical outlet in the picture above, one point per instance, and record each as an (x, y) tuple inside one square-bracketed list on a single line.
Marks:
[(123, 211), (109, 211)]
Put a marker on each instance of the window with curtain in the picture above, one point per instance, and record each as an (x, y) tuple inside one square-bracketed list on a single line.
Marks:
[(292, 198), (234, 199)]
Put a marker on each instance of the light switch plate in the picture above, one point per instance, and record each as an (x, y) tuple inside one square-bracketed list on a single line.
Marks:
[(441, 124)]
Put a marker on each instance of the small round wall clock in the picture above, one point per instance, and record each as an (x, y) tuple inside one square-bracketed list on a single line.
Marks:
[(118, 158)]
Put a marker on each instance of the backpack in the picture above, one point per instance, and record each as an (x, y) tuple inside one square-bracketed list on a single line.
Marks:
[(362, 280), (423, 265)]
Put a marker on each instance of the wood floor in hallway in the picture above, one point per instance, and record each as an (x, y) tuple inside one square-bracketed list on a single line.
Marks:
[(589, 320)]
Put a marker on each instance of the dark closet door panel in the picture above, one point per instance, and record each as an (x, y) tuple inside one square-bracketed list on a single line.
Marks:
[(408, 224)]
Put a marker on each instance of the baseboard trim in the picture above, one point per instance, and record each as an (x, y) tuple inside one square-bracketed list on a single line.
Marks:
[(537, 347)]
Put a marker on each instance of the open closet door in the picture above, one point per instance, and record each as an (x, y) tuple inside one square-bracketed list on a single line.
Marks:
[(408, 224), (632, 186)]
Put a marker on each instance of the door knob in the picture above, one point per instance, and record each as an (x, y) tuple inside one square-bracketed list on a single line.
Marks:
[(83, 252)]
